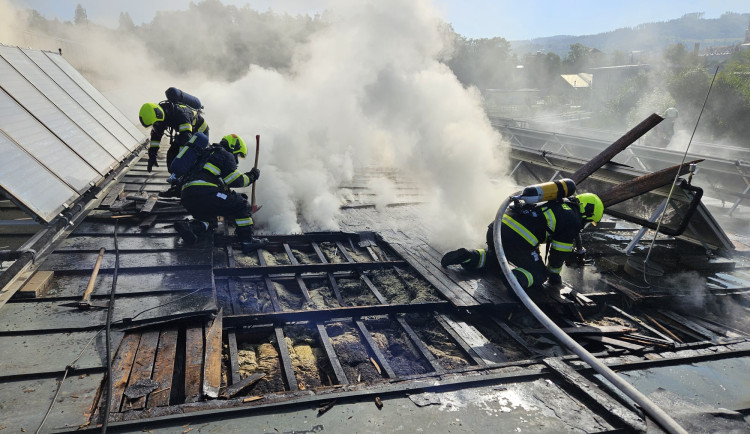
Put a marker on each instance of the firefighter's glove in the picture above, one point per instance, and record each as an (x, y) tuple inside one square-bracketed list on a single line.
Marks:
[(253, 174), (152, 158), (554, 279)]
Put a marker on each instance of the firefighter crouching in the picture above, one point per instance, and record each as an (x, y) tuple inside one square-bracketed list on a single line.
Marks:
[(206, 192), (555, 222)]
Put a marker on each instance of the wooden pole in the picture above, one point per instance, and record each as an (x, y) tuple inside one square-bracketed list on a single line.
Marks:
[(643, 184), (615, 148), (84, 303)]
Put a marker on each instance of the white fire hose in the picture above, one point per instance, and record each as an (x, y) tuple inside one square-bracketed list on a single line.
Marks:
[(656, 413)]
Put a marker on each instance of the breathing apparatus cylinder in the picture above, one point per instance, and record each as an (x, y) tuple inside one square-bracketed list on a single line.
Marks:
[(177, 96), (554, 190)]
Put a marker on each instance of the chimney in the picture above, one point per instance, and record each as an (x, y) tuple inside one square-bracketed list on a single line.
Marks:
[(696, 48)]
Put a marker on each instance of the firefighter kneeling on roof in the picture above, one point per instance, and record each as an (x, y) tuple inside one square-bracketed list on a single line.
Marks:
[(557, 222), (207, 174)]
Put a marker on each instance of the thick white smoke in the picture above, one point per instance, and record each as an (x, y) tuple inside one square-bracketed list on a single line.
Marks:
[(367, 90)]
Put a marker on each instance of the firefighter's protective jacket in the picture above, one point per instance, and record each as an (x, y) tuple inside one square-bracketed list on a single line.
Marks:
[(182, 119), (219, 172), (556, 223)]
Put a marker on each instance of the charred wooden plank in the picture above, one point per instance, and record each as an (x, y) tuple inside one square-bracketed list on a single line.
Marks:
[(319, 252), (693, 326), (149, 205), (121, 367), (231, 282), (485, 349), (643, 184), (332, 313), (587, 330), (164, 368), (286, 360), (515, 336), (442, 319), (614, 342), (306, 268), (374, 349), (147, 222), (598, 396), (641, 323), (212, 361), (615, 148), (289, 253), (331, 279), (142, 367), (371, 286), (112, 196), (450, 290), (344, 252), (305, 292), (272, 294), (336, 290), (236, 389), (664, 329), (193, 363), (338, 371), (421, 347), (234, 363)]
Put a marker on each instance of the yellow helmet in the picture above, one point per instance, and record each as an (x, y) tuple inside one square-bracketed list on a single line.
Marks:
[(234, 144), (150, 113), (591, 207)]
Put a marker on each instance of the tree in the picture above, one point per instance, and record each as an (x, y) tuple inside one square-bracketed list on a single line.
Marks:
[(126, 23), (578, 57), (679, 59), (80, 17)]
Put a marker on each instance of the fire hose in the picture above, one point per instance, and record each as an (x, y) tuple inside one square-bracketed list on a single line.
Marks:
[(656, 413)]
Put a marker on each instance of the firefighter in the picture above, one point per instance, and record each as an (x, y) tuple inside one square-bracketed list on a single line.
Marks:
[(207, 193), (524, 228), (181, 120)]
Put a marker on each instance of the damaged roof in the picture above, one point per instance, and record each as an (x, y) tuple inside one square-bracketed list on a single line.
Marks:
[(361, 329)]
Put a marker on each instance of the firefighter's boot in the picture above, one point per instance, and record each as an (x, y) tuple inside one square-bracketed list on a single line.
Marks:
[(456, 257), (248, 242), (190, 230), (173, 191)]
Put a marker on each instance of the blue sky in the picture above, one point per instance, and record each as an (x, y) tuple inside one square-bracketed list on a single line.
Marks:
[(512, 19)]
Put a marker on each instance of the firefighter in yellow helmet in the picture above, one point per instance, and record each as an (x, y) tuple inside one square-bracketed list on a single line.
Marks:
[(180, 121), (524, 228), (207, 192)]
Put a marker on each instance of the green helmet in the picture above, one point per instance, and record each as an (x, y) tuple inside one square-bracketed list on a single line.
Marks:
[(234, 144), (150, 113), (591, 207)]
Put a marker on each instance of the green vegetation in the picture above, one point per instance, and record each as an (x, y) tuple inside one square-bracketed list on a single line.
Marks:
[(668, 71)]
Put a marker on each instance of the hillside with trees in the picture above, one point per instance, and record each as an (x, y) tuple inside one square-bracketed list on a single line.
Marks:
[(728, 29), (672, 73)]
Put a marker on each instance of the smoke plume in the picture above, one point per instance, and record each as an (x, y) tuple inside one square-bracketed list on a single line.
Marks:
[(368, 88)]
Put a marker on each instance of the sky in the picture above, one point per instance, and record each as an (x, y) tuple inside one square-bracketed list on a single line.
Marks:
[(512, 20)]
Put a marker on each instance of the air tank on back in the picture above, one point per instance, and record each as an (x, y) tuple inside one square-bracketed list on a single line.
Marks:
[(177, 96), (553, 190)]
